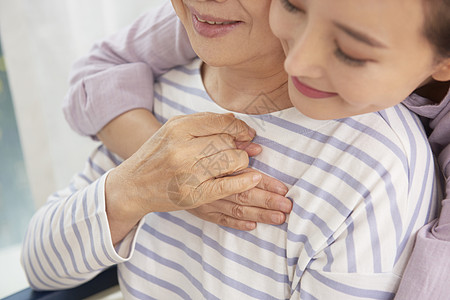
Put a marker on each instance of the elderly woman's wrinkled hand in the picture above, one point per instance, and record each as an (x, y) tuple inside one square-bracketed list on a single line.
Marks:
[(183, 166)]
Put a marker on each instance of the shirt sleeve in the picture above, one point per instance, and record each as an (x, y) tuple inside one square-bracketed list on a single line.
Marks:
[(68, 240), (427, 275), (118, 73)]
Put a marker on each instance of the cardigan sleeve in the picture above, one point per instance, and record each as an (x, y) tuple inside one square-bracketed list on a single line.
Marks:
[(428, 271), (118, 73)]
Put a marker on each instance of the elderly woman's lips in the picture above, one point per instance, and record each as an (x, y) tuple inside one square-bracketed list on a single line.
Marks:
[(309, 91), (212, 22), (213, 27)]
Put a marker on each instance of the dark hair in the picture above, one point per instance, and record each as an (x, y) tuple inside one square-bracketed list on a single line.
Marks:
[(437, 26)]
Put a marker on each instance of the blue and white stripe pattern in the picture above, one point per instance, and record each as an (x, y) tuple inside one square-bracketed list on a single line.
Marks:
[(361, 188)]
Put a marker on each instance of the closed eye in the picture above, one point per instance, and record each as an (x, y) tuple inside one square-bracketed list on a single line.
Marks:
[(290, 7), (347, 59)]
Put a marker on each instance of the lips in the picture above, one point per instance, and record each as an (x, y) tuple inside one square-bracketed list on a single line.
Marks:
[(210, 22), (212, 27), (309, 91)]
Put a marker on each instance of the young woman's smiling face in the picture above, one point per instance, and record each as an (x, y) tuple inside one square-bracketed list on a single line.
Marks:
[(351, 57)]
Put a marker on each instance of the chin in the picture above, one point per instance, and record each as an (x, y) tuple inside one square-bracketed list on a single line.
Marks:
[(319, 113), (214, 59)]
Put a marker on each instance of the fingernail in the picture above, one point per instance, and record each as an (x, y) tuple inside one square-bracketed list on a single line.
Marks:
[(285, 206), (257, 178), (282, 190), (250, 226), (276, 219)]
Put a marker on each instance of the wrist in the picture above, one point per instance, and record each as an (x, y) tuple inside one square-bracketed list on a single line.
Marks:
[(121, 209)]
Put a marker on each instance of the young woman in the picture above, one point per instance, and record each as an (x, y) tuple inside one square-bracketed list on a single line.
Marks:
[(316, 266)]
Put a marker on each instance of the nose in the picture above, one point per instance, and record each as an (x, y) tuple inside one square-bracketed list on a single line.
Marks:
[(306, 55)]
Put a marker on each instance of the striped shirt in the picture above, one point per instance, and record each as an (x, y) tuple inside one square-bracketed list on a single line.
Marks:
[(361, 188)]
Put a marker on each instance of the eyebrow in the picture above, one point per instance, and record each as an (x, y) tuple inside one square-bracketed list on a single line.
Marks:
[(360, 36)]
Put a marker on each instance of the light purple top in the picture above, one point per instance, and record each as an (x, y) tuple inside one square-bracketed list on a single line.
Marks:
[(118, 74)]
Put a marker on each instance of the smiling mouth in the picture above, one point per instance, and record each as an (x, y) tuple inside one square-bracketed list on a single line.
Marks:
[(215, 22), (212, 27), (309, 91)]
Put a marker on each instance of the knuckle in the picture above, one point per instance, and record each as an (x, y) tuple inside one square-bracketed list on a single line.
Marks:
[(260, 216), (268, 201), (233, 127), (223, 123), (240, 127), (221, 187), (243, 198), (227, 139), (237, 211), (223, 220)]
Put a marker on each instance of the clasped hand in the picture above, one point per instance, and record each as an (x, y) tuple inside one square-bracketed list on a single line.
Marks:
[(191, 162)]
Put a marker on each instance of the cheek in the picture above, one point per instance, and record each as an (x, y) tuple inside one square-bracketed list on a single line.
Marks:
[(376, 90), (277, 21)]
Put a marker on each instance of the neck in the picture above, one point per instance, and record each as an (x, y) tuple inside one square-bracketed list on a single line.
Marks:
[(258, 88)]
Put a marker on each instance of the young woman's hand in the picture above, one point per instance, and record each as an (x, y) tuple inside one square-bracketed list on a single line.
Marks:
[(264, 203)]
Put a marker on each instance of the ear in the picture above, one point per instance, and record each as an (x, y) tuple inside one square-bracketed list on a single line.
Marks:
[(442, 72)]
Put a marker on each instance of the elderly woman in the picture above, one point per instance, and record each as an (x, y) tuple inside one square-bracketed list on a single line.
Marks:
[(359, 193)]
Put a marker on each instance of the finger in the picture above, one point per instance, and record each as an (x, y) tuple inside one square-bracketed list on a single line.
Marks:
[(224, 220), (205, 124), (218, 188), (212, 144), (231, 222), (269, 183), (257, 197), (252, 149), (248, 213), (220, 164), (209, 145)]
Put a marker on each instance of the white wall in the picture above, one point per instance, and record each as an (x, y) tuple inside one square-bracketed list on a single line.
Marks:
[(41, 39)]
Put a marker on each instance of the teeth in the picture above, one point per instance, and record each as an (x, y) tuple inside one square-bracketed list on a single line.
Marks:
[(213, 23)]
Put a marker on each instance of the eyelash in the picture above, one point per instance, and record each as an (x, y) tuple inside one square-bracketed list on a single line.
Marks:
[(289, 7), (345, 58)]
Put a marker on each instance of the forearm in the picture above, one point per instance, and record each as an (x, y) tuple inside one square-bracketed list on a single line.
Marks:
[(68, 240), (117, 75), (128, 132)]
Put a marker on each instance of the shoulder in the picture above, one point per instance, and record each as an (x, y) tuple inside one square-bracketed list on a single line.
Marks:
[(396, 130)]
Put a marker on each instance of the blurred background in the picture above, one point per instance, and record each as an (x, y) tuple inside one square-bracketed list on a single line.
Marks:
[(39, 41)]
